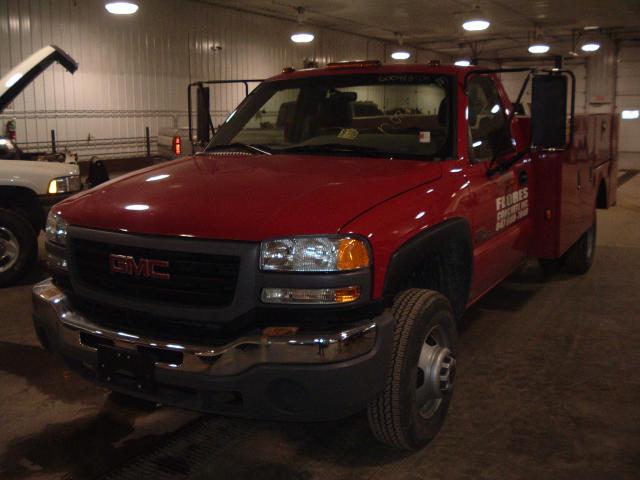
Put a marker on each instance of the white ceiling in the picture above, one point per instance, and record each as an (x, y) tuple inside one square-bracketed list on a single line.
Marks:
[(436, 24)]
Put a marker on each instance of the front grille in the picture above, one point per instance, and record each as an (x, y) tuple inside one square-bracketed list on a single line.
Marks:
[(154, 326), (196, 279)]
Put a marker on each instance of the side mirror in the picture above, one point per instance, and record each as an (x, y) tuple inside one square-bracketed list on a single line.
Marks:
[(549, 111), (203, 116), (518, 109)]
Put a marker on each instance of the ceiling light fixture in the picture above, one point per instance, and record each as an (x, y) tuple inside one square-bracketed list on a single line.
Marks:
[(538, 48), (590, 47), (537, 45), (400, 53), (462, 63), (121, 8), (302, 35), (476, 22)]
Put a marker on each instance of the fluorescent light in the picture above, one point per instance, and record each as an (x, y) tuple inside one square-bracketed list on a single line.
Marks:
[(539, 48), (121, 8), (463, 63), (476, 25), (630, 114), (591, 27), (400, 55), (302, 37), (590, 47)]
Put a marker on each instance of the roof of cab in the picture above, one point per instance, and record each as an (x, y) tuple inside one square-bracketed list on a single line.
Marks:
[(368, 67)]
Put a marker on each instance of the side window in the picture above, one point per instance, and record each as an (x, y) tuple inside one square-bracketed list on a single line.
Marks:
[(487, 122)]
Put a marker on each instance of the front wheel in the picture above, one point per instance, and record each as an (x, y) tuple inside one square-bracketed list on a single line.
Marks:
[(412, 408), (18, 246)]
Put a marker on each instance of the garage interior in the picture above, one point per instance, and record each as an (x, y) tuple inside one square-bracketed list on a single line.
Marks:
[(547, 383)]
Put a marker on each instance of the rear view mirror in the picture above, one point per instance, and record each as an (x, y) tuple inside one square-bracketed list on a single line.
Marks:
[(549, 111)]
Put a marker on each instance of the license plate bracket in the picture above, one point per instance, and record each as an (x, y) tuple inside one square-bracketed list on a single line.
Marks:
[(126, 368)]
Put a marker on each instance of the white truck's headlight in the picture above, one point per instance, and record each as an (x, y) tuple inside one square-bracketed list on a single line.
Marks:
[(66, 184), (332, 253), (56, 229)]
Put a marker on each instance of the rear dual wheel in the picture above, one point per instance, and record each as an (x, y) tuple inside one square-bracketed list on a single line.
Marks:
[(578, 259), (412, 408)]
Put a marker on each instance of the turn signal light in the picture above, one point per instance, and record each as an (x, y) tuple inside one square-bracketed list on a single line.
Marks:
[(177, 145), (311, 295), (352, 255), (348, 294)]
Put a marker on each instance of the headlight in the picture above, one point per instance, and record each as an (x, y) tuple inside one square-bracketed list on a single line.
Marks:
[(314, 254), (56, 229), (64, 184)]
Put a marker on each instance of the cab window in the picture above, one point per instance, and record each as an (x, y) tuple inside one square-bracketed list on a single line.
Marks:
[(488, 129)]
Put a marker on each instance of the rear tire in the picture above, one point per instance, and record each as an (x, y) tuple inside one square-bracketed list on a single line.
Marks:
[(18, 246), (579, 258), (412, 408)]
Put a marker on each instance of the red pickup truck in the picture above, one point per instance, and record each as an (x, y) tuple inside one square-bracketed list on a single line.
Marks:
[(315, 259)]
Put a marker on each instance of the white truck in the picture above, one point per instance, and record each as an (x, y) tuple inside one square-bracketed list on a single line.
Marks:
[(28, 188)]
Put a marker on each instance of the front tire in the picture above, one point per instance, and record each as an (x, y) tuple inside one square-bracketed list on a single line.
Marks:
[(412, 408), (18, 246)]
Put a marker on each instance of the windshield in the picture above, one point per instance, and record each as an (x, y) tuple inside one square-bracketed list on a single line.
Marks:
[(393, 115)]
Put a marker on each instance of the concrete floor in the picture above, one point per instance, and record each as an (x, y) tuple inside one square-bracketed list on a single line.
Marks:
[(548, 387)]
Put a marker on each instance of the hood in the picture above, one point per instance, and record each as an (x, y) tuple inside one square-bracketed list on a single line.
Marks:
[(247, 198), (34, 175), (17, 79)]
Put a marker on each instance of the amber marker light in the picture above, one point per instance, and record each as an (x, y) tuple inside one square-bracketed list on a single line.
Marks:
[(346, 295), (352, 255)]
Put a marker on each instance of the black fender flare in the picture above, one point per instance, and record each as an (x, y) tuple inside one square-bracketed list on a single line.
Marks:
[(416, 251)]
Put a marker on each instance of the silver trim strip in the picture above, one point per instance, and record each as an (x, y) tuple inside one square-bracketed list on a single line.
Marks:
[(52, 306)]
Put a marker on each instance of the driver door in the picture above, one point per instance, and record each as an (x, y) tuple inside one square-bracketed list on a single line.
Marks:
[(501, 198)]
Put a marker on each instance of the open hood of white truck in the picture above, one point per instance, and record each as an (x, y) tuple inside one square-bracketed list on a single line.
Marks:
[(17, 79)]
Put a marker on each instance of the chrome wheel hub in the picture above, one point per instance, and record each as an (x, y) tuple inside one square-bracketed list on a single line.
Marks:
[(436, 373), (9, 249)]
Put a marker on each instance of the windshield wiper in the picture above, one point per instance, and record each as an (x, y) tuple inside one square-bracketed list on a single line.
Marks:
[(333, 148), (247, 146)]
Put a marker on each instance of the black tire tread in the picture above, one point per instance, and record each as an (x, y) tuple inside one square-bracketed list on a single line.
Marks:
[(384, 418), (29, 251)]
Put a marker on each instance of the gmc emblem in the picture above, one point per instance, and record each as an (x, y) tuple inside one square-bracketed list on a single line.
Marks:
[(144, 267)]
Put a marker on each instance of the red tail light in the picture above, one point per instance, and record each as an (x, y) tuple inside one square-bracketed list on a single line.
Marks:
[(176, 145)]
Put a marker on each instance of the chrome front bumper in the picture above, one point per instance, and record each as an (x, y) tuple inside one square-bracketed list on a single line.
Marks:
[(71, 329)]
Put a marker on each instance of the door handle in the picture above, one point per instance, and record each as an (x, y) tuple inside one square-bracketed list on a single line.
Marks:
[(523, 177)]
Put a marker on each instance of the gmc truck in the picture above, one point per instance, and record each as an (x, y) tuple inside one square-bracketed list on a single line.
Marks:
[(28, 188), (317, 266)]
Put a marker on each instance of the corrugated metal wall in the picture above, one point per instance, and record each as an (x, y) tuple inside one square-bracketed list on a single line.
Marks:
[(628, 97), (134, 70)]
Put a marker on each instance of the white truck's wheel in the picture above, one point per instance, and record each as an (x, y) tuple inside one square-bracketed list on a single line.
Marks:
[(412, 408), (18, 246)]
